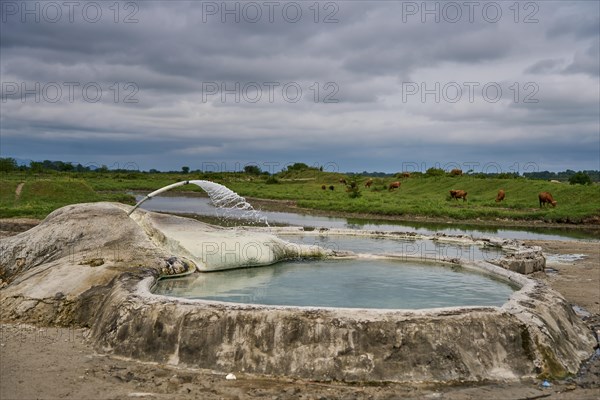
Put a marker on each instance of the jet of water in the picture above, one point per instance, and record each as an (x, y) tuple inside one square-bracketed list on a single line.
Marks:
[(231, 204)]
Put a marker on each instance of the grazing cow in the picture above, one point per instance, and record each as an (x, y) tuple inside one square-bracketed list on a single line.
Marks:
[(369, 183), (456, 172), (394, 185), (331, 187), (457, 194), (406, 174), (323, 187), (546, 197), (500, 196), (343, 181)]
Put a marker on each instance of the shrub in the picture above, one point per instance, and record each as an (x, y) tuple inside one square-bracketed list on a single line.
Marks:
[(435, 172), (580, 178), (8, 164), (353, 189), (252, 170)]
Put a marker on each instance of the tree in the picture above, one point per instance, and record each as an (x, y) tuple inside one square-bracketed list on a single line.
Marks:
[(64, 166), (435, 172), (252, 169), (298, 167), (185, 170), (80, 168), (8, 164), (580, 178), (36, 166)]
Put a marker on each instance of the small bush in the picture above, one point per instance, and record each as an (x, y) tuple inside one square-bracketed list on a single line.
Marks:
[(435, 172), (353, 189), (580, 178)]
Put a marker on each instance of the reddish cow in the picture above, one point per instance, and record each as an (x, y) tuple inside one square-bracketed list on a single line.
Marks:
[(369, 183), (500, 196), (394, 185), (343, 181), (546, 198), (457, 194), (323, 187), (456, 172), (406, 175)]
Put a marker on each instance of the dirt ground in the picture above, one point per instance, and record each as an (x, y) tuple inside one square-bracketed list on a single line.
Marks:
[(58, 363)]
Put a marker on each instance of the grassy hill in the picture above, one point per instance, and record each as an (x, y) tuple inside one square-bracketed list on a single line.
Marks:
[(418, 195), (39, 197), (429, 196)]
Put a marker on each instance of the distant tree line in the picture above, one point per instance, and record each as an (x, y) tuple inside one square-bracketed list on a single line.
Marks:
[(562, 176), (8, 164)]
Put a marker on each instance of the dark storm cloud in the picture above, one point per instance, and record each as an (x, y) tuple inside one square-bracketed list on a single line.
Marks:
[(184, 66)]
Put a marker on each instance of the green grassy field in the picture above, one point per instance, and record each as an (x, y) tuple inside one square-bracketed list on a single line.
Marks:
[(418, 196), (40, 196), (429, 196)]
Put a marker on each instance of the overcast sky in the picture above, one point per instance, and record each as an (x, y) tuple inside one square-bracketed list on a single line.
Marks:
[(353, 85)]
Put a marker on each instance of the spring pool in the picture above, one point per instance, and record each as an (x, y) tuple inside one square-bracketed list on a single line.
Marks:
[(354, 283)]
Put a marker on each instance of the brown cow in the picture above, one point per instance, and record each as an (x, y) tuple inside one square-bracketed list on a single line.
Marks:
[(343, 181), (369, 183), (456, 172), (394, 185), (323, 187), (500, 196), (406, 174), (546, 197), (457, 194)]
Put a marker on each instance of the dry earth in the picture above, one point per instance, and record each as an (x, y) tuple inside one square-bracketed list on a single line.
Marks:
[(48, 362)]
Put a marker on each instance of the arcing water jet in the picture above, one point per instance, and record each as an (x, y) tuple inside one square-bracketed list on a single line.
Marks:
[(220, 196)]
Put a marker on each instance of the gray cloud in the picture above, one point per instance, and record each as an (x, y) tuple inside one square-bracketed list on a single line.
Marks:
[(176, 52), (587, 62)]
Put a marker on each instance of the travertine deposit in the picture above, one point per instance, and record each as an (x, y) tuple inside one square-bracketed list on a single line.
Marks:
[(92, 265)]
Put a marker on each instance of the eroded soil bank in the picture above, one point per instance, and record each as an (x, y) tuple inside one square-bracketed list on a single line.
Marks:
[(56, 363)]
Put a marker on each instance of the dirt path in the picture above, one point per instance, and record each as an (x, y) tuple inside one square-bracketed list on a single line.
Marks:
[(51, 363), (18, 190)]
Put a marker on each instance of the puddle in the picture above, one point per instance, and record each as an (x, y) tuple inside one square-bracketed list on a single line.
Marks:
[(564, 258), (581, 312)]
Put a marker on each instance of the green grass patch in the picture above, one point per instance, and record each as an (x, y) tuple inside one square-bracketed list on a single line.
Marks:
[(417, 196), (40, 196), (429, 196)]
